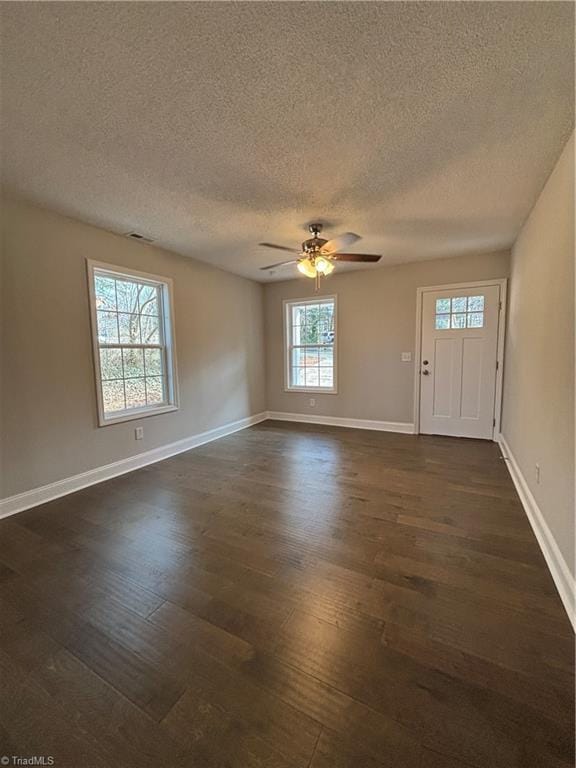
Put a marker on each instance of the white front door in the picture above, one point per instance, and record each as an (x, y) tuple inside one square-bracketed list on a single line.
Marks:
[(458, 361)]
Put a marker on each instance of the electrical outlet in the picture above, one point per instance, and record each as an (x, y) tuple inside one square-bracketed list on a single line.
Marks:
[(537, 471), (312, 402), (138, 433)]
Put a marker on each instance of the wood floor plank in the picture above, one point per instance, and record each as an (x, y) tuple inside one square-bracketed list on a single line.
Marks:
[(333, 751), (35, 727), (430, 759), (284, 733), (334, 710)]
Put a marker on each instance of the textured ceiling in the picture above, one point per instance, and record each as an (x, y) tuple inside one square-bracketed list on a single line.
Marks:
[(429, 128)]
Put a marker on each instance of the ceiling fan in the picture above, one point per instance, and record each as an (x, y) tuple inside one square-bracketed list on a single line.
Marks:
[(317, 256)]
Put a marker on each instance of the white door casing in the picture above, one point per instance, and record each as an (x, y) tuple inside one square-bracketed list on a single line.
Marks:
[(458, 360)]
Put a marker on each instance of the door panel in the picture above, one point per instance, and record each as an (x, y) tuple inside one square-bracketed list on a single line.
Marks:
[(443, 376), (459, 353), (472, 354)]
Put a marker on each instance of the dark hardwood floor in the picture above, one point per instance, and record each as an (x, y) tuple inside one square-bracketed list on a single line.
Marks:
[(290, 595)]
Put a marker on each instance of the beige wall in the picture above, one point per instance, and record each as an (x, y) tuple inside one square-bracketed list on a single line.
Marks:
[(49, 423), (377, 322), (538, 413)]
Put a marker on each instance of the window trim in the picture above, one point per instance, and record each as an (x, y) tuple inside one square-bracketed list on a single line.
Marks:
[(287, 330), (167, 296)]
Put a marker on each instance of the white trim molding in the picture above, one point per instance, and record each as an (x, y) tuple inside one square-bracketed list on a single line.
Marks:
[(21, 501), (559, 570), (336, 421)]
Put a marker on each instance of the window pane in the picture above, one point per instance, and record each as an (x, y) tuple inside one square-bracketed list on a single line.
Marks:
[(326, 334), (312, 311), (298, 378), (298, 357), (113, 396), (311, 356), (129, 326), (312, 377), (476, 320), (135, 393), (133, 363), (475, 303), (148, 300), (154, 363), (155, 390), (442, 322), (326, 314), (298, 314), (459, 304), (127, 293), (105, 289), (111, 363), (297, 334), (150, 330), (442, 305), (327, 356), (458, 321), (312, 324), (107, 327), (309, 333), (326, 377)]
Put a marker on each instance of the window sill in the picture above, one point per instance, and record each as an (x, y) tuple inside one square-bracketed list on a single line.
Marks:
[(315, 390), (142, 413)]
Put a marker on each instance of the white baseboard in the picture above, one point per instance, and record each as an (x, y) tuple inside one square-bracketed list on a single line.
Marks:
[(21, 501), (563, 579), (336, 421)]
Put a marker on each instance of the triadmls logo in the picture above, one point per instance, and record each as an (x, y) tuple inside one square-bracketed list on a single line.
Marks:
[(31, 760)]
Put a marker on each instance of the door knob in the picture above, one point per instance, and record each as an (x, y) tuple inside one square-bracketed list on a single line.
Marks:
[(425, 373)]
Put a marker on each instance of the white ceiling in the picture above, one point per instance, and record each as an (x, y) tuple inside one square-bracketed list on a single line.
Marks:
[(429, 128)]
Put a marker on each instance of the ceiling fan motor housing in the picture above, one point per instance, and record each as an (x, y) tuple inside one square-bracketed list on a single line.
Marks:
[(313, 245)]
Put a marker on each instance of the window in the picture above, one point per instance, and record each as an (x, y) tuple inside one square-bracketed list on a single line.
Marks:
[(133, 343), (460, 312), (311, 345)]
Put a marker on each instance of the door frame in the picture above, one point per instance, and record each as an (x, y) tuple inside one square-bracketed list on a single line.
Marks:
[(503, 285)]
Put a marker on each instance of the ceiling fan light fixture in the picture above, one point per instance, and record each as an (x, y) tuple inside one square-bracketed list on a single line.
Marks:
[(324, 266), (306, 267)]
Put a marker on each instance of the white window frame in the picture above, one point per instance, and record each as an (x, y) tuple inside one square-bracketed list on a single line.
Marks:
[(287, 325), (168, 344)]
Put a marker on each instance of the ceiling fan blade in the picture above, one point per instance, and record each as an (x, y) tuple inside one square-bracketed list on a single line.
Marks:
[(280, 264), (280, 247), (365, 257), (337, 243)]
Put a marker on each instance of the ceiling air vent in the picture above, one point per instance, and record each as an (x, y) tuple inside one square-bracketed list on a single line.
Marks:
[(138, 236)]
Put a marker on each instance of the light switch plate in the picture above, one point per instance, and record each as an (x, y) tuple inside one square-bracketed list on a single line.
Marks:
[(406, 357)]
